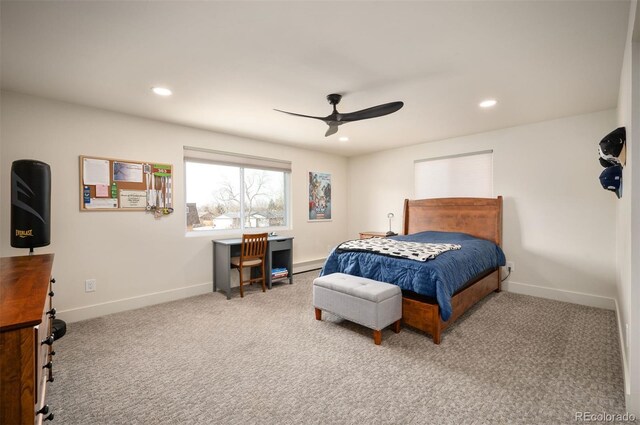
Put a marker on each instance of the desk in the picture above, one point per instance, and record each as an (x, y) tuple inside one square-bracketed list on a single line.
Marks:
[(279, 254)]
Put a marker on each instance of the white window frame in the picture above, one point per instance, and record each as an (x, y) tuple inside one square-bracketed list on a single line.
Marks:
[(212, 157), (422, 173)]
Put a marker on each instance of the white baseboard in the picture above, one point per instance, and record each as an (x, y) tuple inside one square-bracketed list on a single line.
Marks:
[(305, 266), (623, 352), (109, 307), (115, 306), (560, 295)]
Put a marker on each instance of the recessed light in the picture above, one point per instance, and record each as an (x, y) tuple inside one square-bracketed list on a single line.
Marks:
[(162, 91), (488, 103), (344, 139)]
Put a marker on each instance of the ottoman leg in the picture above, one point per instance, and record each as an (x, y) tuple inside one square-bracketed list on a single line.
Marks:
[(396, 326), (318, 314), (377, 337)]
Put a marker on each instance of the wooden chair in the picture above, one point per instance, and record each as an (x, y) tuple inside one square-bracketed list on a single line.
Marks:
[(252, 254)]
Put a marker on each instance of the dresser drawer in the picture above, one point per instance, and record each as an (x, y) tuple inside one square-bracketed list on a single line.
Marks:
[(44, 363), (42, 358)]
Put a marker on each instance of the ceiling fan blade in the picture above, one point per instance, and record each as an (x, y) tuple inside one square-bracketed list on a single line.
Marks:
[(300, 115), (373, 112), (336, 118), (333, 129)]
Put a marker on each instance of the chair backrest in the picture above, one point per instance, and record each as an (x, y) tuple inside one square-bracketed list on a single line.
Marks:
[(254, 245)]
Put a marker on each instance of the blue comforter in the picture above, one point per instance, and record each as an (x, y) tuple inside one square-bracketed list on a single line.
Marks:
[(439, 278)]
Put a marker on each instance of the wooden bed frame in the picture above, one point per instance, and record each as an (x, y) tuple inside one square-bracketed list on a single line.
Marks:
[(479, 217)]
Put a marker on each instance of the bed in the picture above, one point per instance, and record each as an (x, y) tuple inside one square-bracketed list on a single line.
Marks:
[(438, 291)]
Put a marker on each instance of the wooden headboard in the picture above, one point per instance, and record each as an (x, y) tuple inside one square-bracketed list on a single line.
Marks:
[(479, 217)]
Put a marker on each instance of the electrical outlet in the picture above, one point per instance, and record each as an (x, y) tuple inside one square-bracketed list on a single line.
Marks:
[(510, 266), (90, 285)]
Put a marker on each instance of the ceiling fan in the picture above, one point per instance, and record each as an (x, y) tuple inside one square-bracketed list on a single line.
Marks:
[(336, 118)]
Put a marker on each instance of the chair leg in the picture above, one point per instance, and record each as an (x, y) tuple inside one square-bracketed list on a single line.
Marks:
[(241, 290), (264, 278), (318, 314), (396, 326)]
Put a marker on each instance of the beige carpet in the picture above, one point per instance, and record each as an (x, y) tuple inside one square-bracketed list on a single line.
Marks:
[(264, 359)]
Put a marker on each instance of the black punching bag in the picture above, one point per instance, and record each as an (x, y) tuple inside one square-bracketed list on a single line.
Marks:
[(30, 204)]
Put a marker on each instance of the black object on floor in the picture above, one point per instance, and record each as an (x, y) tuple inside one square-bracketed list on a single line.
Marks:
[(58, 328)]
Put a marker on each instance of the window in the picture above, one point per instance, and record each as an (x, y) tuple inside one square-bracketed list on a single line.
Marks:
[(467, 175), (231, 192)]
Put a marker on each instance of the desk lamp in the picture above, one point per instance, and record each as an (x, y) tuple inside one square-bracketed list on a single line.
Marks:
[(390, 232)]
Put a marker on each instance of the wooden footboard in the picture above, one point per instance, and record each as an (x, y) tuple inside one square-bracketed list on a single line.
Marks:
[(424, 313), (479, 217)]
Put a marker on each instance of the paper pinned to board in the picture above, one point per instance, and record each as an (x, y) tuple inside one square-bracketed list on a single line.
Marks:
[(127, 172), (95, 203), (133, 198), (102, 191), (95, 171)]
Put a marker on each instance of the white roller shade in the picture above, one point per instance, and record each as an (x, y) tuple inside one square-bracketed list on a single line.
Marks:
[(467, 175), (227, 158)]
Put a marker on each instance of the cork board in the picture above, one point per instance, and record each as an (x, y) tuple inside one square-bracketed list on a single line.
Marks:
[(108, 184)]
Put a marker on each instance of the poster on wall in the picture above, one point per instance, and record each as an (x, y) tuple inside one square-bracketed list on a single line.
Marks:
[(319, 196)]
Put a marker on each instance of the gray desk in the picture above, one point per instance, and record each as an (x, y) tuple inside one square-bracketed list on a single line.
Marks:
[(279, 254)]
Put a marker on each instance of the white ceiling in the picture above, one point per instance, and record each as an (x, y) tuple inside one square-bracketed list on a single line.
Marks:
[(230, 63)]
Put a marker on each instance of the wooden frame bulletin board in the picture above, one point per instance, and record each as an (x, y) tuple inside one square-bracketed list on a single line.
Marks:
[(139, 185)]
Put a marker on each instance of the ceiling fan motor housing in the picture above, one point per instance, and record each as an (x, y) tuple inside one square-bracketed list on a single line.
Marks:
[(334, 98)]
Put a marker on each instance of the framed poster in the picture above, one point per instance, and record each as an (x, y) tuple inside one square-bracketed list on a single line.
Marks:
[(319, 196)]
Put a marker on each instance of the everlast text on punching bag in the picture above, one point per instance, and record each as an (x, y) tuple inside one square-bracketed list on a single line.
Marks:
[(30, 204)]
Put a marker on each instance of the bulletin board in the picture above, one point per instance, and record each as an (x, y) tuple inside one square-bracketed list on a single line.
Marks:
[(108, 184)]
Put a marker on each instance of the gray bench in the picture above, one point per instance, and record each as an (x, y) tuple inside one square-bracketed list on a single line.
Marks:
[(367, 302)]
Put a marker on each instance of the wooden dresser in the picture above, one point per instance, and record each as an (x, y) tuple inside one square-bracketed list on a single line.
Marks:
[(25, 338)]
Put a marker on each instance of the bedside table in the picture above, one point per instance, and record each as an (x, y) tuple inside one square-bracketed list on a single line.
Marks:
[(367, 235)]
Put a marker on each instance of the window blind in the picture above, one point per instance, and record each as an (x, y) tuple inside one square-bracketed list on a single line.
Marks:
[(228, 158), (466, 175)]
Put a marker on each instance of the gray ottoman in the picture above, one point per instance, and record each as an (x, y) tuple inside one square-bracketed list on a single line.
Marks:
[(368, 302)]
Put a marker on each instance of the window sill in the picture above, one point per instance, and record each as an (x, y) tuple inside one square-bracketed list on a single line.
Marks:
[(233, 233)]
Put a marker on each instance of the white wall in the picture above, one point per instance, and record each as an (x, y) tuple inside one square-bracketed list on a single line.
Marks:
[(559, 224), (2, 189), (633, 401), (136, 259), (623, 207), (628, 222)]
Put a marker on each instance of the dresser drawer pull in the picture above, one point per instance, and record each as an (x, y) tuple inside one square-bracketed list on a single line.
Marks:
[(48, 340), (49, 417), (51, 293), (44, 410), (50, 379), (48, 366), (52, 280), (52, 312)]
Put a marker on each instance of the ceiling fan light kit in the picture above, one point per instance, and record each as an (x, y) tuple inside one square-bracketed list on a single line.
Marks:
[(336, 118)]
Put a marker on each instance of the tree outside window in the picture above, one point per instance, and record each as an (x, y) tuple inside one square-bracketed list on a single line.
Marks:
[(225, 197)]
